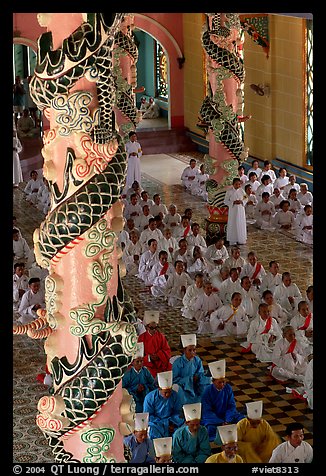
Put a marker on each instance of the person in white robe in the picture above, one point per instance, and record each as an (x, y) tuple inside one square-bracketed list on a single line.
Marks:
[(124, 234), (304, 226), (172, 218), (20, 285), (276, 198), (145, 200), (254, 168), (230, 286), (292, 184), (235, 260), (253, 269), (159, 274), (131, 254), (189, 174), (267, 170), (147, 260), (21, 250), (284, 219), (158, 207), (132, 209), (295, 205), (150, 233), (230, 319), (176, 285), (217, 253), (218, 276), (275, 310), (135, 188), (308, 384), (251, 202), (183, 230), (32, 300), (153, 110), (193, 292), (305, 197), (294, 450), (142, 221), (199, 264), (253, 181), (134, 153), (198, 186), (289, 360), (250, 298), (264, 213), (282, 179), (288, 295), (168, 243), (16, 150), (183, 253), (310, 297), (205, 304), (303, 324), (263, 333), (272, 277), (196, 238), (236, 232), (265, 186), (32, 186)]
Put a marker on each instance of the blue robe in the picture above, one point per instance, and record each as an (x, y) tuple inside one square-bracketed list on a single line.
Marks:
[(218, 407), (188, 448), (183, 373), (162, 411), (132, 379), (141, 452)]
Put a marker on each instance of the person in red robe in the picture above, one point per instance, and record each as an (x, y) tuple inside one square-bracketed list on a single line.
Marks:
[(157, 352)]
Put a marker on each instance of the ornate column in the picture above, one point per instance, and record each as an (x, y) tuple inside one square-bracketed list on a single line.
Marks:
[(88, 321), (219, 113)]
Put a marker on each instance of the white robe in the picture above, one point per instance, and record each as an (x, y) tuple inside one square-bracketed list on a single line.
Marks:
[(198, 186), (31, 189), (250, 301), (260, 345), (133, 163), (197, 240), (236, 226), (264, 188), (204, 304), (17, 170), (172, 221), (309, 384), (165, 244), (282, 294), (283, 218), (249, 270), (305, 198), (156, 209), (269, 172), (128, 257), (250, 207), (212, 254), (28, 300), (280, 182), (231, 262), (19, 283), (276, 200), (298, 321), (286, 367), (227, 288), (21, 250), (178, 232), (263, 220), (236, 326), (157, 281), (216, 279), (286, 453), (189, 172), (270, 282), (149, 234), (305, 236), (278, 313), (199, 266), (186, 258), (130, 210), (189, 300), (146, 262), (141, 221), (288, 187), (173, 291)]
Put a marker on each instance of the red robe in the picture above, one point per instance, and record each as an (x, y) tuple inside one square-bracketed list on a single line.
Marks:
[(156, 344)]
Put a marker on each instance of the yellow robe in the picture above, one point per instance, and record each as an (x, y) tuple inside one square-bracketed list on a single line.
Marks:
[(220, 458), (256, 444)]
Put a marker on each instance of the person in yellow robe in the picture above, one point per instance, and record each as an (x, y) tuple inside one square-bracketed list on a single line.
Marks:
[(228, 436), (256, 438)]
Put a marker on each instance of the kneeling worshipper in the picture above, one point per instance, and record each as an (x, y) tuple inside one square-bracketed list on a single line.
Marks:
[(188, 372), (218, 403), (256, 438), (228, 436), (139, 445), (164, 407), (294, 449), (157, 352), (137, 379), (163, 450), (190, 442)]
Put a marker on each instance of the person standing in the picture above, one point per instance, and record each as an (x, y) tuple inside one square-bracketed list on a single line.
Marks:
[(236, 232), (16, 149), (18, 97), (134, 153)]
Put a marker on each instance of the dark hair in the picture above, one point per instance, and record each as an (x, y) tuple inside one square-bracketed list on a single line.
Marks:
[(265, 177), (19, 265), (293, 427), (151, 241), (236, 179), (131, 133), (283, 202), (162, 252), (151, 220), (133, 195), (267, 291), (264, 194), (14, 231), (34, 280), (252, 173), (158, 218)]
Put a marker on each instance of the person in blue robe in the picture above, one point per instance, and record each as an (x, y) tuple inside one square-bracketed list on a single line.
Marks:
[(140, 446), (138, 381), (165, 409)]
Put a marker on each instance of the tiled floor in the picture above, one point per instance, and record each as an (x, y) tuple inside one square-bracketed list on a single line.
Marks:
[(248, 377)]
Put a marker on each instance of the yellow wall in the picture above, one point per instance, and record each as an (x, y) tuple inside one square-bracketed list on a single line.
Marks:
[(194, 92), (277, 129)]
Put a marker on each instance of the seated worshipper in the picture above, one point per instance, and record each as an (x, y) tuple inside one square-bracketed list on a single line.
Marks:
[(188, 213), (44, 197), (159, 222), (183, 230), (253, 269), (153, 110), (20, 284), (158, 207), (198, 264), (218, 276), (144, 104), (145, 200), (304, 226), (163, 450), (295, 206), (305, 197), (263, 333), (276, 198), (198, 186), (205, 305), (147, 261), (254, 168), (132, 208), (250, 297), (21, 250), (172, 218), (264, 213), (137, 379), (192, 294), (138, 443), (176, 285), (288, 359), (142, 221), (150, 233), (157, 352), (284, 219), (164, 407), (218, 403), (190, 442), (265, 186), (183, 253), (274, 308), (124, 234), (26, 125), (158, 275), (250, 204), (31, 301), (188, 372), (196, 239), (267, 169), (241, 173), (230, 286), (230, 319), (189, 174), (256, 438), (168, 243), (294, 449), (302, 322), (131, 254), (272, 277), (308, 384), (228, 437), (135, 188), (292, 184), (253, 181), (32, 186), (139, 326), (217, 253), (282, 179), (288, 295)]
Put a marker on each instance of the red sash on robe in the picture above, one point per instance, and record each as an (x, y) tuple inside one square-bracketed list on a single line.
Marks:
[(185, 233), (257, 269), (267, 326), (291, 346), (306, 323), (164, 269)]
